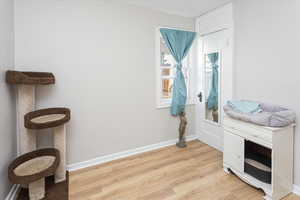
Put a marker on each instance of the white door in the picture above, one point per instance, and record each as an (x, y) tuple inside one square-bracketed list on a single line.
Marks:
[(214, 85), (215, 41)]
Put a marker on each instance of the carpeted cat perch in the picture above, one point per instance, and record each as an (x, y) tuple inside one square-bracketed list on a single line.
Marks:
[(32, 166)]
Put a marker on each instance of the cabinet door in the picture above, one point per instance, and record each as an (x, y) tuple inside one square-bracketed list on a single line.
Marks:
[(234, 151)]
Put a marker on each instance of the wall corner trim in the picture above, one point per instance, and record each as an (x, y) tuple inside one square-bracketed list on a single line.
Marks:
[(115, 156), (13, 193)]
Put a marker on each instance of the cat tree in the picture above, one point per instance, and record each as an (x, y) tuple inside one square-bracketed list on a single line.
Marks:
[(32, 166)]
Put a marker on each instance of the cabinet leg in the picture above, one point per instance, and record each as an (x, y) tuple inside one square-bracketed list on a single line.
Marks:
[(226, 170)]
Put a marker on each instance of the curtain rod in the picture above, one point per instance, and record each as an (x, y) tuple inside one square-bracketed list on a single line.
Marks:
[(175, 28), (202, 35)]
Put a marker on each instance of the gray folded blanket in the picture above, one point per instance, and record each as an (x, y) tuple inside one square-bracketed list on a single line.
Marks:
[(271, 115)]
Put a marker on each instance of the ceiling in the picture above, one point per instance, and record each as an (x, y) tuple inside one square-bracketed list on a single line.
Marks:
[(187, 8)]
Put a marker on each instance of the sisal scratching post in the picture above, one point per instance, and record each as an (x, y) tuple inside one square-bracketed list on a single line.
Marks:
[(25, 103), (26, 137), (37, 189), (60, 144)]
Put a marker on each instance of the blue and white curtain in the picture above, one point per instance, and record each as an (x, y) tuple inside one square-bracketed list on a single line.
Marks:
[(179, 43)]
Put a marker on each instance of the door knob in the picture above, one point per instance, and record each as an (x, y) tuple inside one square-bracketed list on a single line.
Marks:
[(200, 96)]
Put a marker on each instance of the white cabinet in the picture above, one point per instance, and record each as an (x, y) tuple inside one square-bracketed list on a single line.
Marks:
[(279, 143), (234, 151)]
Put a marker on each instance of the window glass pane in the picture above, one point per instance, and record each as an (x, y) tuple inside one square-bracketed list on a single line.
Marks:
[(166, 59), (167, 88)]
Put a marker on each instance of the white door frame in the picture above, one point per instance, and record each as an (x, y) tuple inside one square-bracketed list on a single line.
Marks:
[(215, 21)]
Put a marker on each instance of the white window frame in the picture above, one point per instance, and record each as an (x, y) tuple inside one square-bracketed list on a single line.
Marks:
[(160, 101)]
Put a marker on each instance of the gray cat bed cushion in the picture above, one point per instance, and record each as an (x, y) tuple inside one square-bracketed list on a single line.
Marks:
[(271, 115)]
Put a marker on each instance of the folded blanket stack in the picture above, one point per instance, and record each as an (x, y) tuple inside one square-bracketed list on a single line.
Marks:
[(245, 106)]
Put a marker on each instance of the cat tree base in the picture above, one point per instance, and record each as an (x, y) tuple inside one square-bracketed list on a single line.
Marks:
[(31, 169)]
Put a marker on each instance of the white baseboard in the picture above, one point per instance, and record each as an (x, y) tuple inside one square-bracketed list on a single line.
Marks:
[(211, 140), (115, 156), (296, 190), (12, 195)]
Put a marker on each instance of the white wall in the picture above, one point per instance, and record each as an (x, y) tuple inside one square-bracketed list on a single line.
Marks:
[(103, 57), (267, 49), (7, 105)]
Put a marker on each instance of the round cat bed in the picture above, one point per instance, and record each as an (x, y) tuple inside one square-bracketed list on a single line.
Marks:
[(271, 115), (47, 118), (33, 166)]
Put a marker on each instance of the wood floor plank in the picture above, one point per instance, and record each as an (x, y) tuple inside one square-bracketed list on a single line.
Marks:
[(169, 173), (141, 168)]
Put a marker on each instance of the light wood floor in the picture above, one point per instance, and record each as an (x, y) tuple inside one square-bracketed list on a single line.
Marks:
[(194, 173)]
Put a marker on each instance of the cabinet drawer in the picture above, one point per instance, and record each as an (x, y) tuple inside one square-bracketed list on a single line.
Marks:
[(260, 137), (247, 130)]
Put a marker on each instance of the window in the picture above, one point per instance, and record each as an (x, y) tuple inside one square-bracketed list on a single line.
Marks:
[(166, 72)]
